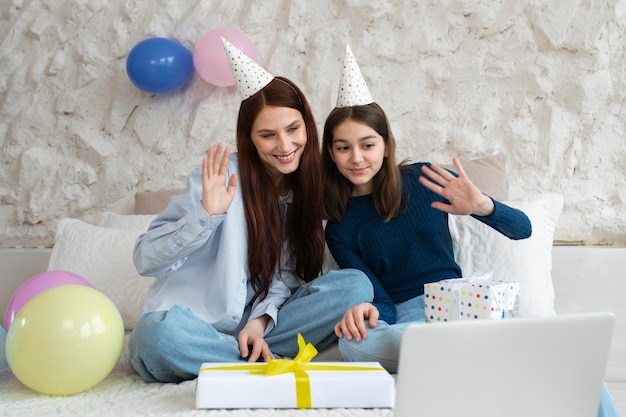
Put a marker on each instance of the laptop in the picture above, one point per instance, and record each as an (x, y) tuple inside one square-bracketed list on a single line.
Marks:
[(520, 367)]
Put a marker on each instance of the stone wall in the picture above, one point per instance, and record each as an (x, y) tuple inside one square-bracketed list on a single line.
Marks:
[(541, 81)]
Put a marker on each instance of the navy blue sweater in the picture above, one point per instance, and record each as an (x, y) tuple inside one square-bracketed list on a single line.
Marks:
[(413, 248)]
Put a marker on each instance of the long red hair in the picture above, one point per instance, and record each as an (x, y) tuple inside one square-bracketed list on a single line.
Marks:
[(304, 229)]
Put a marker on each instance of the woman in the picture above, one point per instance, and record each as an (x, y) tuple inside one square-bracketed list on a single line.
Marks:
[(237, 254), (391, 221)]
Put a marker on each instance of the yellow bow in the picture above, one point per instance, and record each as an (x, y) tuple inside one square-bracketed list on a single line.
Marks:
[(306, 352)]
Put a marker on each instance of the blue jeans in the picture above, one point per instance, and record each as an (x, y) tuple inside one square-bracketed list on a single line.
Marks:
[(170, 346), (383, 345)]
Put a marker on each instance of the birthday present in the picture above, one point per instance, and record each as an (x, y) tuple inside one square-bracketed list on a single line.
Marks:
[(297, 383), (470, 299)]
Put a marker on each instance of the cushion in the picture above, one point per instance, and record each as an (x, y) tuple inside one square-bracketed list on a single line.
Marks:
[(153, 202), (103, 256), (137, 222), (488, 174), (480, 249)]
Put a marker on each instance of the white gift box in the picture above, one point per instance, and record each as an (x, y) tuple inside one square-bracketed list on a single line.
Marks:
[(329, 385), (470, 299)]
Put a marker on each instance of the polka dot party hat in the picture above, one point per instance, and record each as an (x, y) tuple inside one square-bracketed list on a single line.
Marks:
[(249, 76), (353, 90)]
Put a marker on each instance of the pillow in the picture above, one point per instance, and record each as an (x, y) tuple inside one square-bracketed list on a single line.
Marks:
[(488, 174), (103, 256), (153, 202), (479, 249), (137, 222)]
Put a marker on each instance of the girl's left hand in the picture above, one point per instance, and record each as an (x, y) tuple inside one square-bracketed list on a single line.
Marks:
[(352, 325), (463, 196)]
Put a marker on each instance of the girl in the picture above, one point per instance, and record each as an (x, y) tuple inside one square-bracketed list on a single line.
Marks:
[(391, 221), (237, 254)]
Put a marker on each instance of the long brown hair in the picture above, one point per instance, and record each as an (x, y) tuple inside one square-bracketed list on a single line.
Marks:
[(265, 227), (387, 190)]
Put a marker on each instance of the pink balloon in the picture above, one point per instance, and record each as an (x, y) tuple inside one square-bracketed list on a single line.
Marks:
[(37, 284), (209, 57)]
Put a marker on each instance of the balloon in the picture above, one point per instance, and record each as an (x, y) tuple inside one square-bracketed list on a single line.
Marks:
[(65, 340), (159, 65), (37, 284), (209, 57), (3, 344)]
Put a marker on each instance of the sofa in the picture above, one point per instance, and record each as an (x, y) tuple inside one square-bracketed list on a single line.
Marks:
[(554, 279)]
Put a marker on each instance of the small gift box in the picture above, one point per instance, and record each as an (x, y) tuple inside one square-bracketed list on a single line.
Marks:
[(297, 383), (470, 299)]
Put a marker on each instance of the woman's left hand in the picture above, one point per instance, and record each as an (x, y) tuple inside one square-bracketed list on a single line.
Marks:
[(252, 345), (463, 196)]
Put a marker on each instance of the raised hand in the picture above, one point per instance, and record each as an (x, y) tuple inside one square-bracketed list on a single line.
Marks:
[(217, 193), (463, 196)]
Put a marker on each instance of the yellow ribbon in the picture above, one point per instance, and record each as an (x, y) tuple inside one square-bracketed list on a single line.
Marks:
[(298, 366)]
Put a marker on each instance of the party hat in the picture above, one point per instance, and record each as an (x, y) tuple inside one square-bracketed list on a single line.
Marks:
[(353, 90), (249, 76)]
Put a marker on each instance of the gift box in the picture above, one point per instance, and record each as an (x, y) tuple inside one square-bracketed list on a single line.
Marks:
[(296, 383), (470, 299)]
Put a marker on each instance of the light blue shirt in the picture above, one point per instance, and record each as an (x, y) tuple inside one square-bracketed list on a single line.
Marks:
[(200, 261)]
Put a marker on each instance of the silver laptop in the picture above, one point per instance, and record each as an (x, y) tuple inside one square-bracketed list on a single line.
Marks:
[(527, 367)]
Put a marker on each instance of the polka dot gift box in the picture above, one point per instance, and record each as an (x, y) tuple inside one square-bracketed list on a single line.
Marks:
[(470, 299)]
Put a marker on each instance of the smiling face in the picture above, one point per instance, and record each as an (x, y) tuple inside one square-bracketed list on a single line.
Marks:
[(359, 152), (279, 135)]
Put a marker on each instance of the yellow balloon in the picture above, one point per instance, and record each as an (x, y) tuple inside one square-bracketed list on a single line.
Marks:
[(65, 340)]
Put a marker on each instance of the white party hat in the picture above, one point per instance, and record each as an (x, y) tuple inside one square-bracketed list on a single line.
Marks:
[(353, 90), (249, 76)]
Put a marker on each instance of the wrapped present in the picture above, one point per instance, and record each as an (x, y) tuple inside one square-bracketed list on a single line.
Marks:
[(470, 299), (297, 383)]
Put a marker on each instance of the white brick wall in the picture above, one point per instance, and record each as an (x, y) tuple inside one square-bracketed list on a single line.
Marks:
[(542, 82)]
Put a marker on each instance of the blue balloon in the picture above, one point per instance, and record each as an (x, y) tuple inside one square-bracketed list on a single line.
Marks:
[(159, 65), (3, 349)]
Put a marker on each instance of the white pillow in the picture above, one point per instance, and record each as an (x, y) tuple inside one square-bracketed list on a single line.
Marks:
[(103, 256), (138, 222), (480, 249)]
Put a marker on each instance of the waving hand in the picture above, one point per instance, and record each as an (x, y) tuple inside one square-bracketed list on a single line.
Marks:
[(217, 193), (463, 196)]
